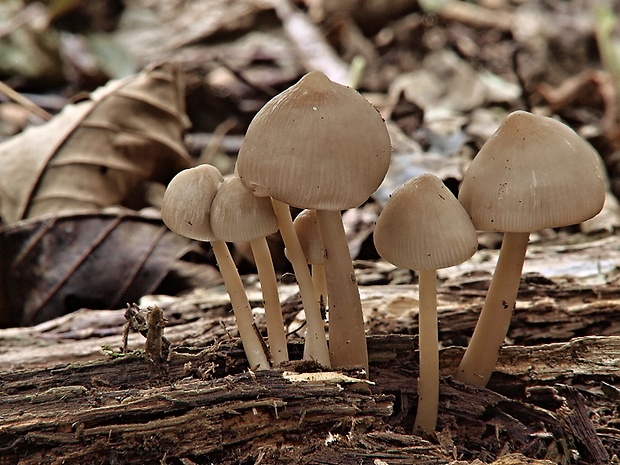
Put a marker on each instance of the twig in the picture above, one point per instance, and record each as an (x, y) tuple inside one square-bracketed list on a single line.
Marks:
[(137, 321), (314, 51), (476, 15), (24, 102), (156, 344)]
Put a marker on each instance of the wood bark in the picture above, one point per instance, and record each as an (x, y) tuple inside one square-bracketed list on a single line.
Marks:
[(553, 397), (119, 410)]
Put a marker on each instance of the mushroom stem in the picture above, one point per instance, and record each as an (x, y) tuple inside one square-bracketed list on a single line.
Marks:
[(482, 352), (347, 337), (271, 299), (252, 343), (316, 343), (320, 282), (428, 384)]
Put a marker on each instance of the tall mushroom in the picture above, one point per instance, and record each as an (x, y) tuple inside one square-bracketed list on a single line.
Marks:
[(321, 145), (186, 211), (423, 227), (237, 215), (533, 173)]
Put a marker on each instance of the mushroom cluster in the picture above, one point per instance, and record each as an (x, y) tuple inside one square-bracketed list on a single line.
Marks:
[(297, 150), (186, 210), (533, 173)]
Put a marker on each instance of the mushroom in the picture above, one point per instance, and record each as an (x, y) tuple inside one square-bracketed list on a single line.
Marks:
[(533, 173), (424, 227), (237, 215), (307, 229), (185, 210), (321, 145)]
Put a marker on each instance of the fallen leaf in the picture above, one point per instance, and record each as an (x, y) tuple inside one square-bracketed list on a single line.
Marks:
[(153, 30), (54, 265), (447, 82), (96, 151)]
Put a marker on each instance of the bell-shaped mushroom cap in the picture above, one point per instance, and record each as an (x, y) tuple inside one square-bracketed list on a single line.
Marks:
[(316, 145), (187, 202), (307, 229), (424, 227), (237, 215), (533, 173)]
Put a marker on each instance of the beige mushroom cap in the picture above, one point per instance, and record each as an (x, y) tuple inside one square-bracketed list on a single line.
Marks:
[(237, 215), (307, 229), (316, 145), (187, 202), (424, 227), (533, 173)]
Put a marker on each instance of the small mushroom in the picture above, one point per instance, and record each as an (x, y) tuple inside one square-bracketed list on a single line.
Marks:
[(423, 227), (315, 347), (186, 211), (321, 145), (237, 215), (533, 173), (307, 229)]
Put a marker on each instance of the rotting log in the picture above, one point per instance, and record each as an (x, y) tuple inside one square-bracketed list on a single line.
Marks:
[(115, 410), (547, 311), (204, 421), (111, 411), (554, 394)]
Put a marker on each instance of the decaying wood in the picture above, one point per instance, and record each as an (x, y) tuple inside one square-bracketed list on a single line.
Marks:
[(188, 419), (553, 397), (137, 418), (118, 409), (556, 311)]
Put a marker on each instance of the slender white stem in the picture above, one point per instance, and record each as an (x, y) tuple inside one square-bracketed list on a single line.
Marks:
[(316, 342), (271, 299), (320, 282), (483, 350), (252, 343), (428, 384), (347, 336)]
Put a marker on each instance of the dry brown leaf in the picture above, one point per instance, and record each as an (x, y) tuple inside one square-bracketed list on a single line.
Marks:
[(96, 151), (155, 29), (54, 265)]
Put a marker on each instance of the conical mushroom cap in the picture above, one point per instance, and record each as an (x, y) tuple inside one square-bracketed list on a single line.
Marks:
[(533, 173), (237, 215), (316, 145), (187, 202), (424, 227)]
